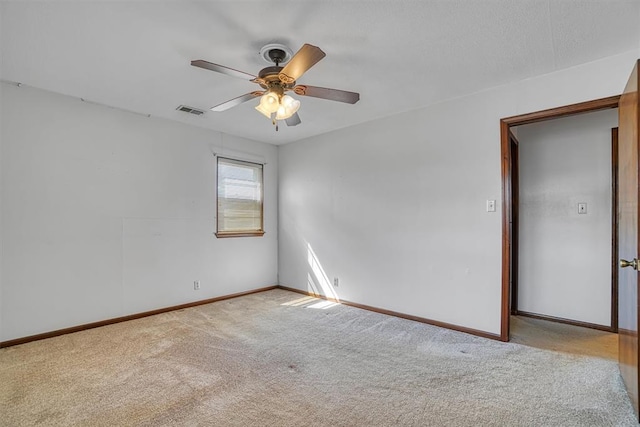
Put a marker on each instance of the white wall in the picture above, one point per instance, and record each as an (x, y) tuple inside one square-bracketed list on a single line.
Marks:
[(565, 257), (107, 213), (396, 208)]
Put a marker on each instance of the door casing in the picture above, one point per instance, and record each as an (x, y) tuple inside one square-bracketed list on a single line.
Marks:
[(507, 159)]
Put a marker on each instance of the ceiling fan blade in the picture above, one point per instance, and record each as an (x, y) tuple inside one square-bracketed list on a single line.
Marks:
[(222, 69), (325, 93), (293, 120), (237, 101), (305, 58)]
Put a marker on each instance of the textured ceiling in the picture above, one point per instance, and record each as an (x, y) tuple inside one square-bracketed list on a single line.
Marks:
[(399, 55)]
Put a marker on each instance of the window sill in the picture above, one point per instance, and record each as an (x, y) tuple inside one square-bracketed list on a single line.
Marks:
[(225, 234)]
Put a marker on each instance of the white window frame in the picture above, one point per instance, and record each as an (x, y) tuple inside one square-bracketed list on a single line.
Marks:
[(242, 232)]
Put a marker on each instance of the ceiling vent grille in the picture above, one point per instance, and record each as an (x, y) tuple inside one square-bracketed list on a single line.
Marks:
[(190, 110)]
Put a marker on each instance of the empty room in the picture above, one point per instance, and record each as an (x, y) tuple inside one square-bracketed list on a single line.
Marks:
[(319, 213)]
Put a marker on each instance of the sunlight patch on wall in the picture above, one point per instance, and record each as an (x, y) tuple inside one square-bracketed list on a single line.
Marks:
[(319, 277)]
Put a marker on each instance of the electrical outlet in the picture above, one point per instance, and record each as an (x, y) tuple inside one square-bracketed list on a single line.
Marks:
[(582, 208), (336, 283), (196, 285)]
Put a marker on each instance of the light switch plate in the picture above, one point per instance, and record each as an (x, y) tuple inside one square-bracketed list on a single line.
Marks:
[(491, 205)]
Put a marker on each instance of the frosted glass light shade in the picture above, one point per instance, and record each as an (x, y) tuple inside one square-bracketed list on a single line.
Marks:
[(269, 103), (288, 107), (260, 108)]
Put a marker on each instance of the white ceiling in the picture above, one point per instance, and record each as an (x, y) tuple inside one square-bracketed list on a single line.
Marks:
[(399, 55)]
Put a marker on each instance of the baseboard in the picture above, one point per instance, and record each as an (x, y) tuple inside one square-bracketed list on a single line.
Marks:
[(106, 322), (565, 321), (86, 326), (445, 325)]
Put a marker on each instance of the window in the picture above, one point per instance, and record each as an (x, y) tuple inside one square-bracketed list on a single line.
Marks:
[(239, 198)]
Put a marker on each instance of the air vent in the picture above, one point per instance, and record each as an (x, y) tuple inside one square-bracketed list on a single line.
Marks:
[(190, 110)]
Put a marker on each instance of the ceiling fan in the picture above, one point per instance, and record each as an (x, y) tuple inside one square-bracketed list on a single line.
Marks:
[(277, 80)]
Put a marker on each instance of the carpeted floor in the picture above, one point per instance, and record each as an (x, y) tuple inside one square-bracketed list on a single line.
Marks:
[(564, 338), (279, 359)]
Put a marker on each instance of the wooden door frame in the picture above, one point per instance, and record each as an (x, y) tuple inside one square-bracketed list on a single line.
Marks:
[(507, 202), (515, 219), (614, 230)]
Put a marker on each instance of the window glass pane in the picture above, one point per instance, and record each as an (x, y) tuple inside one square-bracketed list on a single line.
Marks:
[(239, 196)]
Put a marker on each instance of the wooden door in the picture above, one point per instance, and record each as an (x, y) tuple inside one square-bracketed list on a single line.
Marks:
[(628, 187)]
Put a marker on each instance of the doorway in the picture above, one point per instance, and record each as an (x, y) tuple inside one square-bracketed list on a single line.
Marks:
[(509, 153)]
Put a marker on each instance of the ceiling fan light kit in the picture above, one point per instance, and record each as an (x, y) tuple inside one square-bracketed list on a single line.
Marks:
[(276, 80), (277, 106)]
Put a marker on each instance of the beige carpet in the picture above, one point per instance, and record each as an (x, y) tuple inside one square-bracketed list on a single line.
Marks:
[(279, 359), (564, 338)]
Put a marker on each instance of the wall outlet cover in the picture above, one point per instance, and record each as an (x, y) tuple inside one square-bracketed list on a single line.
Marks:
[(582, 208)]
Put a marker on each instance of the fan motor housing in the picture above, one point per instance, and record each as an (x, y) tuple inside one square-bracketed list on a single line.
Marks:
[(270, 77)]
